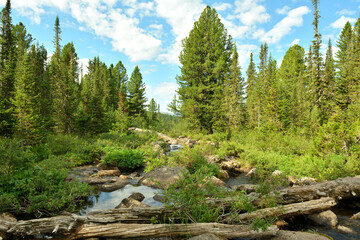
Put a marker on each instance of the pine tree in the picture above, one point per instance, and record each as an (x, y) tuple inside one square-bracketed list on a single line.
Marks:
[(328, 86), (316, 68), (136, 90), (119, 77), (261, 83), (122, 123), (251, 104), (7, 72), (26, 102), (233, 94), (152, 113), (270, 101), (353, 66), (342, 66), (205, 60), (292, 88)]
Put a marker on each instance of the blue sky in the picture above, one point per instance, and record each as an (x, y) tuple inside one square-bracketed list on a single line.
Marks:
[(149, 33)]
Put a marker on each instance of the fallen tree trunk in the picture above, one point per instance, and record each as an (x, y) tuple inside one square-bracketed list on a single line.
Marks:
[(137, 231), (285, 211), (65, 225)]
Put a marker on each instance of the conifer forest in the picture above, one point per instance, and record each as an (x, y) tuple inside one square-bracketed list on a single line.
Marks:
[(300, 117)]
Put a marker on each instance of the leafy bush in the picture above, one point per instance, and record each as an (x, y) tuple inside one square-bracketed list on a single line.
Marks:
[(42, 190), (128, 159)]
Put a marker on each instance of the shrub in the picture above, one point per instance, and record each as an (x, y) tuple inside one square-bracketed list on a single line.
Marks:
[(128, 159)]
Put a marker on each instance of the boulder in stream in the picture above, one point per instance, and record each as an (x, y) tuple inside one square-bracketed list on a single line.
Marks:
[(326, 219), (162, 177), (134, 200), (113, 186)]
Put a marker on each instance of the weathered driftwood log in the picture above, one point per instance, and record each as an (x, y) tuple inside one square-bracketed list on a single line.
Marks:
[(294, 209), (64, 225), (341, 188), (126, 231)]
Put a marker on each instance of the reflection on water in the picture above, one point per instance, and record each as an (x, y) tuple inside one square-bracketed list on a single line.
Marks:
[(109, 200)]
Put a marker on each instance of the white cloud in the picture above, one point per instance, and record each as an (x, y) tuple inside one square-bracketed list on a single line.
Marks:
[(180, 15), (282, 28), (283, 11), (166, 89), (346, 12), (249, 12), (105, 21), (244, 51), (340, 23), (222, 6), (296, 41)]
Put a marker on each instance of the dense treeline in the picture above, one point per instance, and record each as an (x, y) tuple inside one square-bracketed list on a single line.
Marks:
[(39, 97), (309, 94)]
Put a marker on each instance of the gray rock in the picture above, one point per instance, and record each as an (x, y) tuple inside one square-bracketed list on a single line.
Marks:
[(206, 237), (106, 173), (327, 219), (131, 203), (212, 158), (346, 230), (113, 186), (223, 175), (137, 196), (356, 216), (162, 177), (290, 235)]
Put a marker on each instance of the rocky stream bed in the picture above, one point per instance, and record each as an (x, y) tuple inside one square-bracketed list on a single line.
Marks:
[(126, 202)]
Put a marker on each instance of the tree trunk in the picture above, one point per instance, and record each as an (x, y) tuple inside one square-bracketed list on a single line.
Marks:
[(126, 231), (295, 209)]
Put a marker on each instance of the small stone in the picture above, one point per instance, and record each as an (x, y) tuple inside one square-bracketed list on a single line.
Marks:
[(327, 218), (223, 175), (137, 196), (252, 172), (281, 223), (356, 216), (212, 158), (107, 173), (277, 173), (346, 230), (292, 180), (291, 235), (217, 182), (124, 177)]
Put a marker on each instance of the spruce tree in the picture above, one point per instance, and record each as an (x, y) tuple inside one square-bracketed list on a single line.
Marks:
[(26, 102), (234, 94), (119, 77), (152, 113), (316, 68), (136, 98), (122, 123), (328, 86), (292, 88), (251, 99), (342, 66), (205, 61), (174, 106), (7, 72)]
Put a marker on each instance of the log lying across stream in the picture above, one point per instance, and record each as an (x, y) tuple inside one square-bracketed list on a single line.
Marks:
[(135, 222)]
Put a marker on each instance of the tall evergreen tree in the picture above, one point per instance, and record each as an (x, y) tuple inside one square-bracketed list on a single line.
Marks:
[(119, 78), (328, 86), (234, 94), (291, 88), (342, 66), (205, 59), (26, 102), (152, 113), (136, 90), (174, 106), (316, 68), (251, 96), (7, 72)]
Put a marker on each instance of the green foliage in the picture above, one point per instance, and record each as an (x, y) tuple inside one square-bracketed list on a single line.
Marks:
[(124, 159), (193, 207)]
